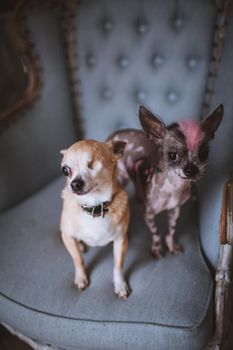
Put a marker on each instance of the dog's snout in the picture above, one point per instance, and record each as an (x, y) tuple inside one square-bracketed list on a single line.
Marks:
[(77, 185), (191, 170)]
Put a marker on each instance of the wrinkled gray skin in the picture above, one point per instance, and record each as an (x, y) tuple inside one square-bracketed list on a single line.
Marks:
[(161, 183)]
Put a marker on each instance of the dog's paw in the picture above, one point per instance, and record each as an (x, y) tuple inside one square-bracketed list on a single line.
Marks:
[(173, 248), (176, 249), (120, 286), (122, 290), (81, 282), (157, 250)]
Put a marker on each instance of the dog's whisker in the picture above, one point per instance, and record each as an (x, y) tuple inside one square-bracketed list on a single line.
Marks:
[(204, 166), (212, 162)]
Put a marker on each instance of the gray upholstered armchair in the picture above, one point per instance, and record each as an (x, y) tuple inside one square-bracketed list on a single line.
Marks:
[(90, 66)]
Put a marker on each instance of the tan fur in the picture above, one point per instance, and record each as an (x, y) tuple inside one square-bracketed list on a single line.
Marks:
[(96, 162)]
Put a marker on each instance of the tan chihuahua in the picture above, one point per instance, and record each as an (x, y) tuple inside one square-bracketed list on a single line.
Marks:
[(95, 207)]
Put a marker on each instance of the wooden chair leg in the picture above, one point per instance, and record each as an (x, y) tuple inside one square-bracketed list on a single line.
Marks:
[(223, 298)]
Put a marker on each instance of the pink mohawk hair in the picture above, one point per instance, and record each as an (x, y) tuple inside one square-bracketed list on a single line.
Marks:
[(192, 133)]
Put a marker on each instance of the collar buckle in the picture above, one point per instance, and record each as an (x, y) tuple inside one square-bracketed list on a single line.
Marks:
[(96, 210)]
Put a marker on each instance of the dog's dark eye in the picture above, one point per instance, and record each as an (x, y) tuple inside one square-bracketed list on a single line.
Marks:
[(66, 170), (173, 156)]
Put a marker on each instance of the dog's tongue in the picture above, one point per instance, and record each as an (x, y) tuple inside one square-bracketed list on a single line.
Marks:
[(192, 133)]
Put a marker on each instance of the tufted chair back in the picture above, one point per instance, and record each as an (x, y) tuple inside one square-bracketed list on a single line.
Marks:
[(133, 52), (117, 55)]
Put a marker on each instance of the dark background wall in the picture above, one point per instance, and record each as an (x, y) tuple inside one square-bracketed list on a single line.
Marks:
[(6, 5), (13, 79)]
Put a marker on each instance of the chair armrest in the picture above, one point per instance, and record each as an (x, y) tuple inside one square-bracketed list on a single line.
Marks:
[(226, 223), (223, 276), (223, 295)]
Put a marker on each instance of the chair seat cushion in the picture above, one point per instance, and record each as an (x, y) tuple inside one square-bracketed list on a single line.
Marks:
[(171, 301)]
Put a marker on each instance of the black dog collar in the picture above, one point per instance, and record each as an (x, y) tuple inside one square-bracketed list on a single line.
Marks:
[(97, 210)]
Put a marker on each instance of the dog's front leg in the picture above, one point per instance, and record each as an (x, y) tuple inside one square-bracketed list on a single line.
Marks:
[(173, 215), (119, 251), (156, 248), (81, 280)]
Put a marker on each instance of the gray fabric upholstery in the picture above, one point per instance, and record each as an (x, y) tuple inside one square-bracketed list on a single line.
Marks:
[(29, 148), (156, 53), (170, 306), (221, 157)]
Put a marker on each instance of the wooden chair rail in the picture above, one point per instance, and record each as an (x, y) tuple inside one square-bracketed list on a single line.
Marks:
[(226, 221)]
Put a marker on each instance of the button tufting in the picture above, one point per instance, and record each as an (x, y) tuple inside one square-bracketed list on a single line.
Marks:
[(107, 94), (178, 22), (192, 62), (91, 60), (157, 60), (123, 62), (172, 97), (141, 95), (142, 26), (107, 25)]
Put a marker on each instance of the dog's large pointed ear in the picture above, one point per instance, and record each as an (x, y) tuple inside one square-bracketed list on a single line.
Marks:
[(211, 123), (153, 126), (117, 148)]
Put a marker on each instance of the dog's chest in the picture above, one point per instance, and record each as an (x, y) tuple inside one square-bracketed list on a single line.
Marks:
[(95, 231), (167, 192)]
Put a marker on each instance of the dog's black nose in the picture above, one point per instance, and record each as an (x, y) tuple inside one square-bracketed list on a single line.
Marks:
[(77, 184), (191, 170)]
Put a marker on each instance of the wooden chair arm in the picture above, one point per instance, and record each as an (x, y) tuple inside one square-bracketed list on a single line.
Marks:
[(223, 276), (226, 221)]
